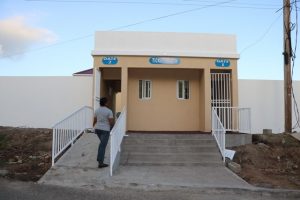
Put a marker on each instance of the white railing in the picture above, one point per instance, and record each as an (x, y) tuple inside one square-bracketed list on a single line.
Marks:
[(69, 129), (116, 138), (234, 118), (218, 131)]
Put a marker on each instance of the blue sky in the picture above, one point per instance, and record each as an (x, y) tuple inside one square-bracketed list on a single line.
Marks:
[(41, 37)]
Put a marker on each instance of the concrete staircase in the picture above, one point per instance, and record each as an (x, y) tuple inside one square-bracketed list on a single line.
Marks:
[(139, 149)]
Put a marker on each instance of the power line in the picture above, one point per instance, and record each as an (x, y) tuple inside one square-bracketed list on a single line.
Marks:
[(237, 5), (262, 36), (121, 27)]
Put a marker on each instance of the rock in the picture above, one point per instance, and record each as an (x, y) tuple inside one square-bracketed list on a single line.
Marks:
[(47, 157), (3, 172), (41, 164), (278, 158), (18, 159), (262, 145), (33, 157), (295, 166), (12, 161), (267, 131), (227, 160), (233, 166)]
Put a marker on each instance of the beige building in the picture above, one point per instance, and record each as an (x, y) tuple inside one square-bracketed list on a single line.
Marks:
[(166, 81)]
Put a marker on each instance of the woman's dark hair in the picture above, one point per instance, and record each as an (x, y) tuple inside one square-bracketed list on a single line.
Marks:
[(103, 101)]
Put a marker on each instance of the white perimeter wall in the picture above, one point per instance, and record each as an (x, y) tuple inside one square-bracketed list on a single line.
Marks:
[(41, 101), (266, 100)]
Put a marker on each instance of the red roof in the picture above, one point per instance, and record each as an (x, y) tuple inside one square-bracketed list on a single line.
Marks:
[(86, 72)]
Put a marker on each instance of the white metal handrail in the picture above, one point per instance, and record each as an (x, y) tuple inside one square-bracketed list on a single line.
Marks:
[(235, 118), (117, 134), (69, 129), (218, 131)]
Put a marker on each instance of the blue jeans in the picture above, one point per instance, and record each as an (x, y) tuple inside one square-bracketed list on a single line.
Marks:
[(103, 136)]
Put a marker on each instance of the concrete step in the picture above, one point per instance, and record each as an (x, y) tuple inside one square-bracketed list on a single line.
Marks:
[(169, 136), (168, 142), (168, 158), (172, 163), (170, 149)]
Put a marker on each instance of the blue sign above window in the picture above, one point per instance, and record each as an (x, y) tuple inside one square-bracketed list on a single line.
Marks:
[(109, 60), (164, 60), (222, 63)]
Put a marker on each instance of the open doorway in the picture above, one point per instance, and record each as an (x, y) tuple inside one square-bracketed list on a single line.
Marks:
[(111, 89)]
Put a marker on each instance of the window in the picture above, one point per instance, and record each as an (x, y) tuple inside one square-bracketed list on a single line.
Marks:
[(183, 89), (144, 89)]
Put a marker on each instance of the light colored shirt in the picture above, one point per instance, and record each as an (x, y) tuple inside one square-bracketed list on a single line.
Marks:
[(103, 114)]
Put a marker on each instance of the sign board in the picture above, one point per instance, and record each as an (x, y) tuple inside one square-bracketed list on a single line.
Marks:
[(229, 153), (222, 63), (109, 60), (164, 60)]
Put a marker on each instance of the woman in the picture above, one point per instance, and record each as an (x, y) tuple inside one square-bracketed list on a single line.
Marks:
[(103, 122)]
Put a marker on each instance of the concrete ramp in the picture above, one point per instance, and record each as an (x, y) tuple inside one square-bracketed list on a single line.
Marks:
[(78, 166)]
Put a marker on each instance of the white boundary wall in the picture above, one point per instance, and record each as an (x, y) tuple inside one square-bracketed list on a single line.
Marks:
[(266, 100), (43, 101), (40, 102)]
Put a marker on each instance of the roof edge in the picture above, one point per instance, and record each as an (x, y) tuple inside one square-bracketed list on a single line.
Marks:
[(157, 53)]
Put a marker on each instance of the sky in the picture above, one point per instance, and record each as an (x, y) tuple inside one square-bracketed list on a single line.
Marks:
[(56, 37)]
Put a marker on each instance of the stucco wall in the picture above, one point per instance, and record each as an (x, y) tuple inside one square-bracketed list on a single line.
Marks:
[(42, 101), (165, 43), (266, 100), (206, 65), (164, 112)]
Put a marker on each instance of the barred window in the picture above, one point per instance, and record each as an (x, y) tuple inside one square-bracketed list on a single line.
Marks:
[(145, 89), (183, 89)]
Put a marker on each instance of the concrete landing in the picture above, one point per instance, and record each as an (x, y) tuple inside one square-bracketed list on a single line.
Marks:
[(78, 168)]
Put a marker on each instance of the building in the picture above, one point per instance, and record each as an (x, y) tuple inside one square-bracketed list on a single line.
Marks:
[(167, 81)]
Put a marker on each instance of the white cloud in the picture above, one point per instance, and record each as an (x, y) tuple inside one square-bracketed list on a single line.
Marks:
[(16, 36)]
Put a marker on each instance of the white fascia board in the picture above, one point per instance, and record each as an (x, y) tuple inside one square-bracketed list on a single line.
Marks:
[(156, 53)]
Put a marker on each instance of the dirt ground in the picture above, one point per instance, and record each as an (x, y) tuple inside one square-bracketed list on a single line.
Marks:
[(25, 153), (272, 161)]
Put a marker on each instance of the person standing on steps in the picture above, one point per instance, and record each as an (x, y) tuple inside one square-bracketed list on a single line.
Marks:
[(103, 122)]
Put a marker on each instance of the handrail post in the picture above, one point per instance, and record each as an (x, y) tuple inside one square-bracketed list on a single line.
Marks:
[(53, 145)]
